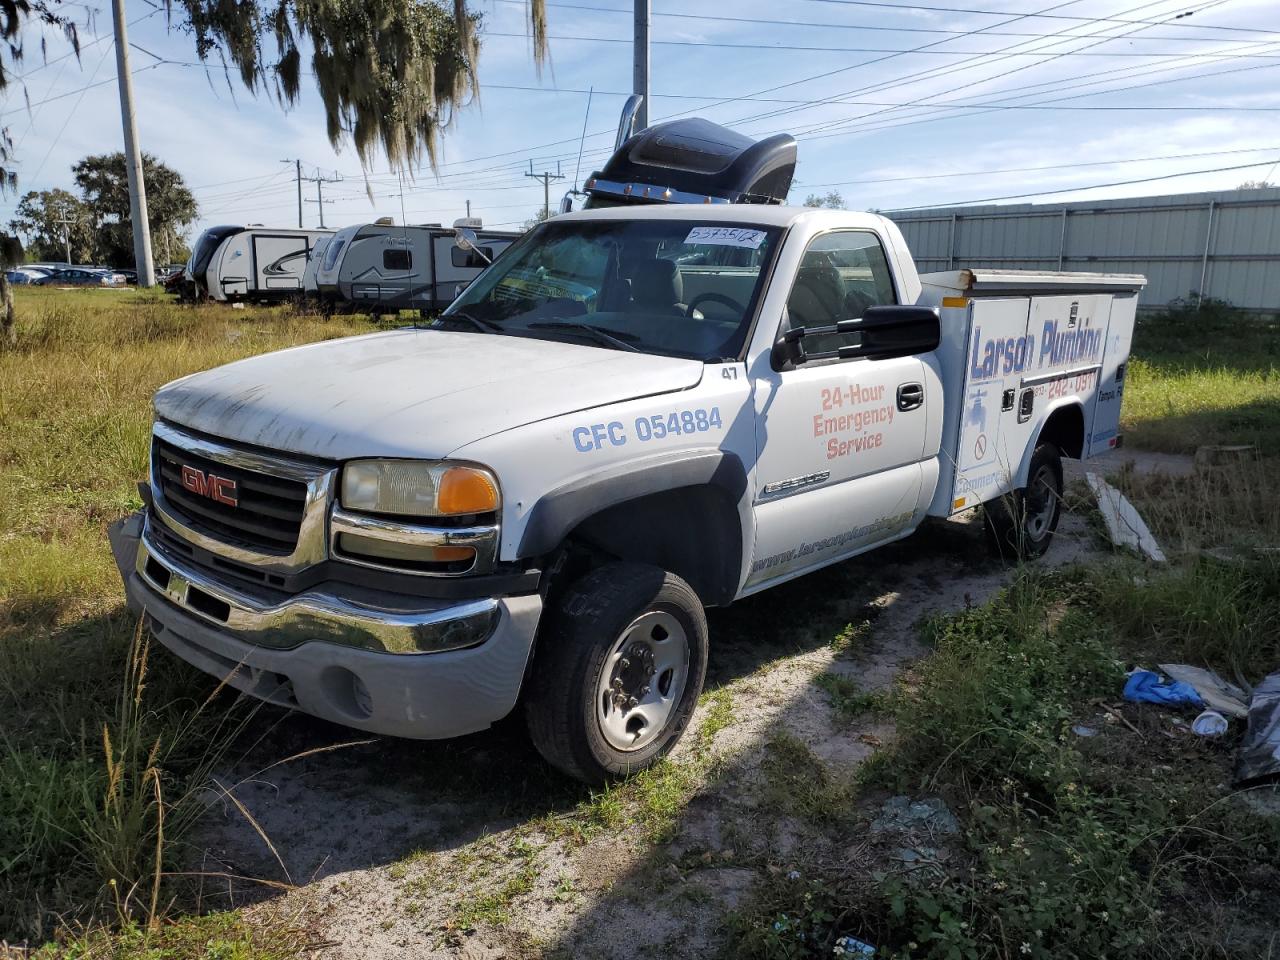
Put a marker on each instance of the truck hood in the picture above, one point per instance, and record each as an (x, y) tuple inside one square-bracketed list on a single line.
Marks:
[(409, 393)]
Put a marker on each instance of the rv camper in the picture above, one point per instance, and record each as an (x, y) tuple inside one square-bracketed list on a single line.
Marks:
[(381, 268), (310, 289), (250, 263)]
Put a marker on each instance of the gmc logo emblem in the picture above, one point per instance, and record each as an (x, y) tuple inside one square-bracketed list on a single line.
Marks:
[(208, 485)]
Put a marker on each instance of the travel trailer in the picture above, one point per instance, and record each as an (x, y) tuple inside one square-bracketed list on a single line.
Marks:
[(310, 288), (250, 263), (381, 267)]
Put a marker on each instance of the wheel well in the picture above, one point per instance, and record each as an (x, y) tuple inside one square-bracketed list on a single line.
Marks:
[(1065, 430), (694, 532)]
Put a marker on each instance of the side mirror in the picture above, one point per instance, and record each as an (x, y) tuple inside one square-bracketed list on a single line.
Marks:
[(880, 333), (466, 239)]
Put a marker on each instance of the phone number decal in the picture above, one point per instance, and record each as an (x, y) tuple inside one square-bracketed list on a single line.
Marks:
[(659, 426)]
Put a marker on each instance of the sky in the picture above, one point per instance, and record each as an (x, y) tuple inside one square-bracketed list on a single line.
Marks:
[(895, 105)]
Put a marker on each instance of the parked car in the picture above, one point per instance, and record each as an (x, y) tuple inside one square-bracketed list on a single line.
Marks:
[(79, 277), (19, 276)]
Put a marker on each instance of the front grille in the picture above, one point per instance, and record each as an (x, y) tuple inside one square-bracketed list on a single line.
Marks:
[(267, 517)]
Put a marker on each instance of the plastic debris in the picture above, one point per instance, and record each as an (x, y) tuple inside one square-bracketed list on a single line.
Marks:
[(853, 947), (1260, 750), (1217, 693), (1143, 686), (1124, 525), (1080, 730), (1210, 724), (902, 814)]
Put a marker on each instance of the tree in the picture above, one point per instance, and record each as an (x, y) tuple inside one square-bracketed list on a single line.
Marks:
[(390, 73), (1257, 185), (56, 225), (10, 254), (104, 183), (539, 215), (831, 201)]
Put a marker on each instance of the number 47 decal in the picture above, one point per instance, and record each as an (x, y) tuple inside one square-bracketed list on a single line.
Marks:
[(729, 373)]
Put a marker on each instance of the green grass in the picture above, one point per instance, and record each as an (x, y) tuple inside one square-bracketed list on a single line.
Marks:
[(1122, 844), (848, 699), (1203, 377), (990, 706), (95, 743), (216, 937)]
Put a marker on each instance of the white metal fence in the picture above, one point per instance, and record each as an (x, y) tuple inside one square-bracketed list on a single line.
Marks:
[(1224, 245)]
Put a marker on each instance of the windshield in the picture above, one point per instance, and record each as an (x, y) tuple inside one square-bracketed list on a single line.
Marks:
[(206, 246), (683, 288)]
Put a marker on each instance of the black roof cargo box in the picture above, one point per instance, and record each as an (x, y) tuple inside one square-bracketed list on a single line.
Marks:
[(695, 161)]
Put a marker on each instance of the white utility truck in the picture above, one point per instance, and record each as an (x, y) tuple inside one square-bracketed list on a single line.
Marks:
[(633, 414)]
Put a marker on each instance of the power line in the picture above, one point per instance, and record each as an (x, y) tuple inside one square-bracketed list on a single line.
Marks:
[(831, 73), (816, 49), (1054, 166), (1095, 186), (1048, 104), (65, 123), (83, 47), (934, 73), (72, 93), (812, 24), (964, 86), (1047, 16)]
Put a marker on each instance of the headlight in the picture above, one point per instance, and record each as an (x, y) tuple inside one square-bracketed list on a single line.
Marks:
[(418, 488)]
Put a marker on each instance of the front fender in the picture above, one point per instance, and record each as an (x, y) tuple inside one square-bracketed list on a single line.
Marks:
[(557, 512)]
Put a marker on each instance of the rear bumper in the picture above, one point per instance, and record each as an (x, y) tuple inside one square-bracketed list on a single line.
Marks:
[(363, 664)]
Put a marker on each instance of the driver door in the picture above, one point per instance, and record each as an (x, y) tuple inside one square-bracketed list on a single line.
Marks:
[(839, 443)]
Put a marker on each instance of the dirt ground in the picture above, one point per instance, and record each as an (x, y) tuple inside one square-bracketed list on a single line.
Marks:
[(473, 849)]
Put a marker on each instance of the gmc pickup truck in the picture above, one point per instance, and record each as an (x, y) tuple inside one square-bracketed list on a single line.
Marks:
[(633, 414)]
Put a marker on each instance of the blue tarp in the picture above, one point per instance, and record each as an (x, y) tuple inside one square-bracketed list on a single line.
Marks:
[(1147, 687)]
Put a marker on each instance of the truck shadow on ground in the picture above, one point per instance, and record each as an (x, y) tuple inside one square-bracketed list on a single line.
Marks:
[(342, 822), (356, 806)]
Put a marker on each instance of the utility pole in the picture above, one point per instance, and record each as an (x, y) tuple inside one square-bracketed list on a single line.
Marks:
[(66, 236), (546, 177), (297, 169), (640, 59), (320, 201), (132, 155)]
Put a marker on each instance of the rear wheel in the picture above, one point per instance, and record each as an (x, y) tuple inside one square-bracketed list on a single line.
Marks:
[(1021, 524), (619, 667)]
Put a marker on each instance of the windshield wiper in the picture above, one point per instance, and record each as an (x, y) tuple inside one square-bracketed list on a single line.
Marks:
[(599, 335), (484, 326)]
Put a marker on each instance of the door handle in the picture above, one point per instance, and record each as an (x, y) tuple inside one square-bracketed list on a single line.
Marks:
[(910, 396)]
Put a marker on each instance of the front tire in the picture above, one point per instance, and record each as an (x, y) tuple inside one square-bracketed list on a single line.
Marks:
[(1021, 524), (620, 665)]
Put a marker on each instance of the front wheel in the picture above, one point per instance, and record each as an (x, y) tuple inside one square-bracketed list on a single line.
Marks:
[(1022, 523), (618, 670)]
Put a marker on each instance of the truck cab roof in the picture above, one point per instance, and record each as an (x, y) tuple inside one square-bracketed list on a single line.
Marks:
[(767, 215)]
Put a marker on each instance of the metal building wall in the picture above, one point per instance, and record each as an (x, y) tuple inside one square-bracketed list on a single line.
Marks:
[(1224, 244)]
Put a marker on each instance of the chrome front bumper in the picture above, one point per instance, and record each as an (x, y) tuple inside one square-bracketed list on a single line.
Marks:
[(429, 672), (313, 615)]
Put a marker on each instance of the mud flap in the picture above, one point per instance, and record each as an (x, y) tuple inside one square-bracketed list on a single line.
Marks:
[(124, 535)]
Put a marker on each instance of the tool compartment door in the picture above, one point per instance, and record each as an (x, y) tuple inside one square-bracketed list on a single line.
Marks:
[(1104, 433), (988, 446)]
